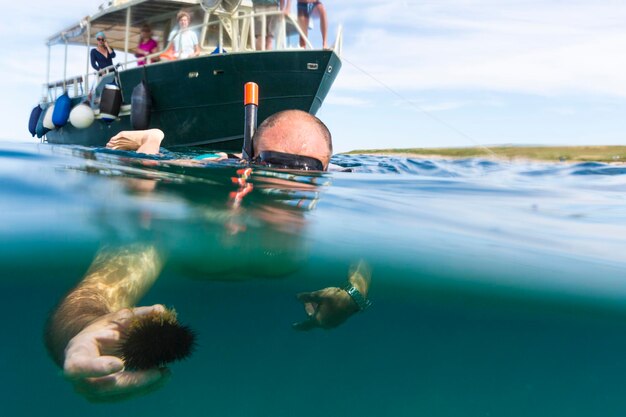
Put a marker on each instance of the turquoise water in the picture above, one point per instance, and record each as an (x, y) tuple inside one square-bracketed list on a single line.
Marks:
[(498, 288)]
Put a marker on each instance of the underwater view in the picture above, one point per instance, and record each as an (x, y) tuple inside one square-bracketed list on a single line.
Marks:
[(496, 287)]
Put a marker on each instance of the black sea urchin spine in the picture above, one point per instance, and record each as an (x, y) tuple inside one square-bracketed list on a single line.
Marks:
[(156, 340)]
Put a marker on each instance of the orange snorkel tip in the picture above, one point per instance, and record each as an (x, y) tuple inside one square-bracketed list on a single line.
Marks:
[(250, 104), (251, 94)]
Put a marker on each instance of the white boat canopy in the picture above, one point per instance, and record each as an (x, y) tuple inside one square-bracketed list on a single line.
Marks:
[(113, 16)]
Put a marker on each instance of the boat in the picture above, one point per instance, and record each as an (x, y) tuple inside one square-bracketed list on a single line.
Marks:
[(197, 101)]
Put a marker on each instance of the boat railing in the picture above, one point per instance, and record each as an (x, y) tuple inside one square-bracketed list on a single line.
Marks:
[(219, 33), (74, 86)]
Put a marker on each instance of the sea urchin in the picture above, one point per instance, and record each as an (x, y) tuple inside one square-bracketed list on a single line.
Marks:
[(155, 340)]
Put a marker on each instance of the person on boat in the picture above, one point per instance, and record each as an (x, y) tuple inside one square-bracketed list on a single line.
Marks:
[(85, 330), (306, 8), (271, 21), (147, 45), (102, 55), (183, 42)]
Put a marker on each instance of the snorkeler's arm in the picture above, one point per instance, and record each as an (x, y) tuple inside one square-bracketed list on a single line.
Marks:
[(329, 307), (360, 277), (143, 141), (116, 280), (93, 363)]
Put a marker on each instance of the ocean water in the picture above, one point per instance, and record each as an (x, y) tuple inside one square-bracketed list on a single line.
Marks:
[(498, 288)]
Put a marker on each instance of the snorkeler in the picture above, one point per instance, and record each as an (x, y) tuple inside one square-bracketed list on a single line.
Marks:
[(86, 330), (289, 139)]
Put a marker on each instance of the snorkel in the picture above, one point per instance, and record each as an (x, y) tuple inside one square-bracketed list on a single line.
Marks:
[(251, 103)]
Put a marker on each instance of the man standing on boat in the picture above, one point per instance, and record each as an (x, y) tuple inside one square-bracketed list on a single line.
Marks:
[(271, 21), (306, 8), (183, 42)]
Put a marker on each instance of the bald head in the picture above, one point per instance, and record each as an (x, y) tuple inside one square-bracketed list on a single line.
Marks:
[(296, 132)]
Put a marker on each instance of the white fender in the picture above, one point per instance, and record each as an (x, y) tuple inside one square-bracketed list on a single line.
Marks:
[(47, 119), (81, 116)]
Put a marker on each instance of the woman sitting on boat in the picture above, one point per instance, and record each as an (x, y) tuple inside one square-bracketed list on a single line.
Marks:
[(147, 45), (183, 42), (102, 55)]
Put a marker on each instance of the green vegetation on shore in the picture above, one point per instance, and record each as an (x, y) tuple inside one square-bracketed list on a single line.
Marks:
[(544, 153)]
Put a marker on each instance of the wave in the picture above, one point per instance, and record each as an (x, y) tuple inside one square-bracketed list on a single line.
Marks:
[(470, 167)]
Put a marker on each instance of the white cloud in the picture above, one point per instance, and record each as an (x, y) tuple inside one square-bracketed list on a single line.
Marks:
[(562, 48), (562, 111), (350, 101), (443, 106)]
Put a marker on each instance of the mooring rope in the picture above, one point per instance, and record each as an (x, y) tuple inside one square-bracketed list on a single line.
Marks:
[(418, 108)]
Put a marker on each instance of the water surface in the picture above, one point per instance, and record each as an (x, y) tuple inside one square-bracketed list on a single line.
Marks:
[(498, 288)]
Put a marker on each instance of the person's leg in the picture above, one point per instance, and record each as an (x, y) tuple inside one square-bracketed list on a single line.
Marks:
[(270, 21), (258, 23), (257, 30), (303, 21), (269, 42), (142, 141), (269, 33), (323, 23)]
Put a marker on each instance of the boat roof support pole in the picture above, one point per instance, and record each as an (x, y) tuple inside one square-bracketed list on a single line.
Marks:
[(88, 57), (245, 33), (221, 38), (234, 36), (281, 39), (252, 32), (126, 36), (263, 31), (65, 68), (48, 74), (205, 25)]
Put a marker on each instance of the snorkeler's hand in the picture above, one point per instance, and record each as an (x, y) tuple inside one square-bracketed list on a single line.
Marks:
[(326, 308), (329, 307), (95, 370)]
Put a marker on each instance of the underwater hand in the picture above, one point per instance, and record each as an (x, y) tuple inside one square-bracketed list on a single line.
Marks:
[(95, 370), (326, 308)]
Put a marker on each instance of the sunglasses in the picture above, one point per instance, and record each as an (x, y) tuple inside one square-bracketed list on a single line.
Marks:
[(99, 39), (284, 160)]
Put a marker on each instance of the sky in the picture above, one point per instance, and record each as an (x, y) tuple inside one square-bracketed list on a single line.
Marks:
[(442, 73)]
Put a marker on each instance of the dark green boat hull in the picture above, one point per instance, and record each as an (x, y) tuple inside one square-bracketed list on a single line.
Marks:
[(199, 101)]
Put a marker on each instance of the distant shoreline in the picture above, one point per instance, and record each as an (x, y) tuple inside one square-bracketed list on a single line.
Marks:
[(613, 154)]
